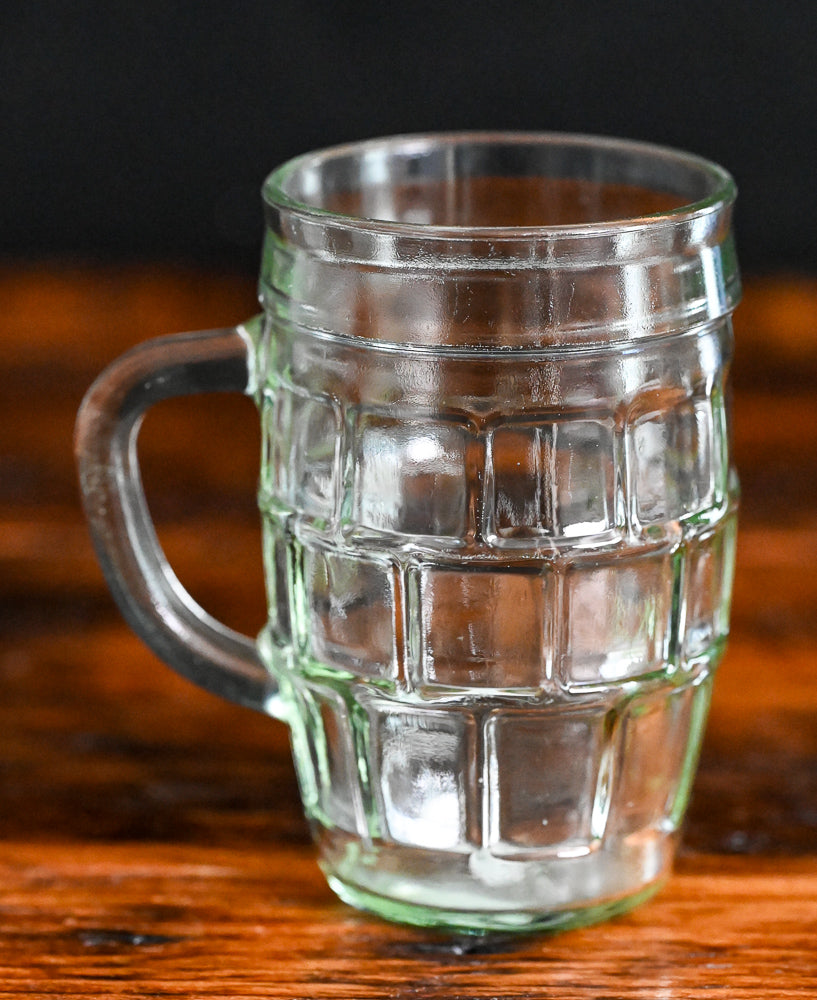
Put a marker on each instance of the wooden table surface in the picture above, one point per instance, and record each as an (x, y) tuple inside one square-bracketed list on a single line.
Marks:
[(151, 837)]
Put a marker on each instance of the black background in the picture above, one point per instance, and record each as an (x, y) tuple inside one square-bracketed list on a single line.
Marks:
[(143, 130)]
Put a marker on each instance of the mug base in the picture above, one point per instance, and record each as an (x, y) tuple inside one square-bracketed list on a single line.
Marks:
[(479, 894), (468, 922)]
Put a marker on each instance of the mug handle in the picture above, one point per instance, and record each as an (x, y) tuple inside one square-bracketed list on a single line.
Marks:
[(153, 601)]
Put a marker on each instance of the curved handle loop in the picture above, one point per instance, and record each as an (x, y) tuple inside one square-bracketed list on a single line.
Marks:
[(152, 599)]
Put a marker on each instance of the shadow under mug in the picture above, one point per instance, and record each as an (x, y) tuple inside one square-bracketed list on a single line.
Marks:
[(498, 512)]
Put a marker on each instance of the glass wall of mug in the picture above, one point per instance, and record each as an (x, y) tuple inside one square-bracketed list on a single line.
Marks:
[(499, 512)]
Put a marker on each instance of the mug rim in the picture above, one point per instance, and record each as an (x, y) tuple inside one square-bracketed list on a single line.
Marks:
[(720, 196)]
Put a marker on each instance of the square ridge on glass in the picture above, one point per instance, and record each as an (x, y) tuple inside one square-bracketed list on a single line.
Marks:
[(709, 570), (351, 608), (334, 778), (542, 779), (410, 476), (520, 489), (673, 464), (551, 479), (277, 575), (617, 622), (421, 772), (584, 477), (654, 743), (302, 448), (483, 627)]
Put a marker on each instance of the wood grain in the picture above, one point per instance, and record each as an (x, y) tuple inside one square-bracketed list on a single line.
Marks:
[(151, 836)]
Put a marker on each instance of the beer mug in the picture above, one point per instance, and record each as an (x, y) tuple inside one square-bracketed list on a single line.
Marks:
[(498, 512)]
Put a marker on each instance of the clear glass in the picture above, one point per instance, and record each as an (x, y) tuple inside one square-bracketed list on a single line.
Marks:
[(498, 510)]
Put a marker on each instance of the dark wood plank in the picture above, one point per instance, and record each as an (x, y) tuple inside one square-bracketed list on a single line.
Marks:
[(210, 922)]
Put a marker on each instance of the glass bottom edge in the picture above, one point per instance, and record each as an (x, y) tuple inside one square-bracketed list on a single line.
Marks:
[(472, 923)]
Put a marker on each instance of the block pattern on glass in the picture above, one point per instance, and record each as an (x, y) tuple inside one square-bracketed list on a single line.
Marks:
[(594, 478), (551, 480), (594, 622), (617, 619), (546, 781), (410, 477), (301, 454), (709, 572), (421, 765), (279, 557), (660, 738), (673, 469), (325, 759), (482, 627), (512, 781), (499, 627), (350, 604)]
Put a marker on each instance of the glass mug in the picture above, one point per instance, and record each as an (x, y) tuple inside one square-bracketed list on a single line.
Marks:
[(498, 512)]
